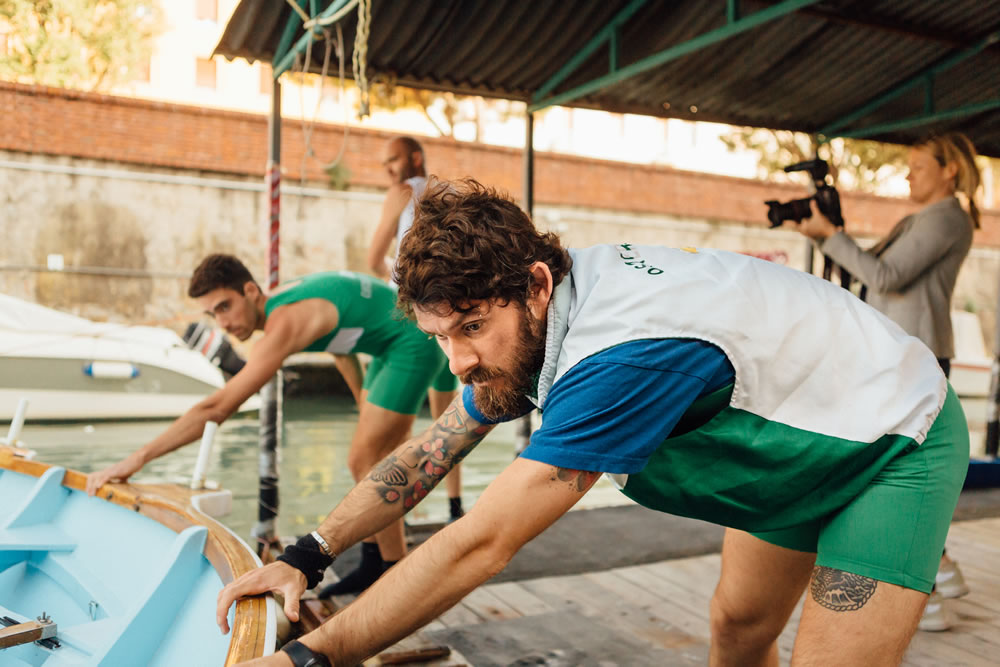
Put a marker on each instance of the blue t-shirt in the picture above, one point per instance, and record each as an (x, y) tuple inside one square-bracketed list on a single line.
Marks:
[(612, 410)]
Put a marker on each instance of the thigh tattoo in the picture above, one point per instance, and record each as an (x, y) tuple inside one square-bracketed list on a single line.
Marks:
[(839, 590)]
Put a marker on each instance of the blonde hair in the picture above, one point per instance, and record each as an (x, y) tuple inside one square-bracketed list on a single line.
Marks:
[(956, 147)]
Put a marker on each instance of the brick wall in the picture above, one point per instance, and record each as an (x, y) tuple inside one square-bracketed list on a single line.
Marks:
[(60, 122)]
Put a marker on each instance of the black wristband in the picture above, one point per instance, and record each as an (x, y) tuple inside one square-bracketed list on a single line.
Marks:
[(303, 656), (306, 557)]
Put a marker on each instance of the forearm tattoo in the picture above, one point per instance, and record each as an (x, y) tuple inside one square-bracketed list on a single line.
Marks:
[(411, 475), (839, 590), (579, 480)]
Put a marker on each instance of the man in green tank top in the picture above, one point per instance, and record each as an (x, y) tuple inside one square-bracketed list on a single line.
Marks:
[(342, 313)]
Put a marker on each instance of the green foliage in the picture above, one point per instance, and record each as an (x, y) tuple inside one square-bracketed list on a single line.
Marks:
[(450, 108), (339, 175), (85, 44), (855, 164), (387, 95)]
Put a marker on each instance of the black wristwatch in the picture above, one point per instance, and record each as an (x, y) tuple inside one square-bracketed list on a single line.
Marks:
[(303, 656)]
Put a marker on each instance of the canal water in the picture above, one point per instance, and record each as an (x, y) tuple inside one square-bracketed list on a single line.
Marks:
[(313, 470)]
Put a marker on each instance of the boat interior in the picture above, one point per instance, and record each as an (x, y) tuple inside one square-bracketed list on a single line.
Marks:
[(128, 578)]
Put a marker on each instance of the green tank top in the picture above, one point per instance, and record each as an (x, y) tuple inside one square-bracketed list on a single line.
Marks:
[(368, 318)]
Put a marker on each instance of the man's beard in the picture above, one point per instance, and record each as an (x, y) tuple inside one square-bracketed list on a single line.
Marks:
[(408, 171), (506, 396)]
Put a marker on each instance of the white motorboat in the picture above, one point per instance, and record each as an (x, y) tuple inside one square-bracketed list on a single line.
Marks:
[(71, 368)]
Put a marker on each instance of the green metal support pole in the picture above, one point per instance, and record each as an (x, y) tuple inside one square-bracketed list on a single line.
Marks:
[(282, 64), (294, 21), (909, 84), (926, 119), (929, 94), (523, 428), (673, 53), (732, 11)]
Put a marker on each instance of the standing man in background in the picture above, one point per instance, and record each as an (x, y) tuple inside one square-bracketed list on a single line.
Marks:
[(405, 163)]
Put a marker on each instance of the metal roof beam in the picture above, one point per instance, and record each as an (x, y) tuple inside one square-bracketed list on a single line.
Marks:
[(606, 34), (282, 65), (731, 29), (923, 119), (921, 77)]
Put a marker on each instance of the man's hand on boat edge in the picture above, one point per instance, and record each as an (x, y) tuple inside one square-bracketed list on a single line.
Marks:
[(119, 472), (277, 577)]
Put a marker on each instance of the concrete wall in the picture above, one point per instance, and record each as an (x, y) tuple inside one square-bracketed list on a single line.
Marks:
[(154, 226)]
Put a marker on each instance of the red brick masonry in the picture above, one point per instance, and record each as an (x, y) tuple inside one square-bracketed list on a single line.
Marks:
[(59, 122)]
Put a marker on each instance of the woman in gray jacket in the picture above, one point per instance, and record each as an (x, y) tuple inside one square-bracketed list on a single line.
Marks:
[(910, 274)]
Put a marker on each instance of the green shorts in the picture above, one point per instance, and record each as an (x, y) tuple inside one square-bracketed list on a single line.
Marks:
[(894, 530), (399, 379)]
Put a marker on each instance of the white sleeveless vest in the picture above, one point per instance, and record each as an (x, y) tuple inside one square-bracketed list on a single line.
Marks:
[(807, 354)]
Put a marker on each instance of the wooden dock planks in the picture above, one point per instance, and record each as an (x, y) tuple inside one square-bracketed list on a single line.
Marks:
[(661, 610)]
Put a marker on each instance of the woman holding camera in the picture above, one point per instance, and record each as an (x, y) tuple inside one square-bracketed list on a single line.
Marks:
[(910, 274)]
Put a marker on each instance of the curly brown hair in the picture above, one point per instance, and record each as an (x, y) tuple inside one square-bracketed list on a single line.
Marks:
[(219, 270), (470, 242)]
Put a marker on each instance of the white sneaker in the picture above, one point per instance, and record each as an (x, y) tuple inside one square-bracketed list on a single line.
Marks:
[(937, 617), (949, 581)]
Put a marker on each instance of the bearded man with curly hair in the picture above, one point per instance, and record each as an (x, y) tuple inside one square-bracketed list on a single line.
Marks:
[(703, 383)]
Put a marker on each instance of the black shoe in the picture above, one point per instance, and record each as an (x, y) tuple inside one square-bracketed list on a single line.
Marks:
[(455, 509), (352, 584), (368, 571)]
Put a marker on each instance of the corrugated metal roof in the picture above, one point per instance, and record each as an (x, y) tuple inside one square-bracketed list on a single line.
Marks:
[(803, 71)]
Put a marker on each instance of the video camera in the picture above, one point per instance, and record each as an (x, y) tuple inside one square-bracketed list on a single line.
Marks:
[(826, 198), (827, 201)]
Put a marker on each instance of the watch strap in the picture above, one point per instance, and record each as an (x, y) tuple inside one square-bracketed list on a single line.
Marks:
[(303, 656)]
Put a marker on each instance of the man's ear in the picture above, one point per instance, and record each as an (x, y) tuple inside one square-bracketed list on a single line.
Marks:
[(540, 292), (251, 289), (417, 158)]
